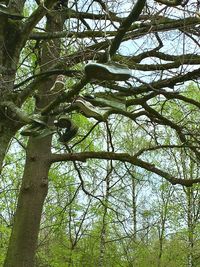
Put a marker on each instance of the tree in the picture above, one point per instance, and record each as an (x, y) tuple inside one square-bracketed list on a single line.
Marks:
[(44, 82)]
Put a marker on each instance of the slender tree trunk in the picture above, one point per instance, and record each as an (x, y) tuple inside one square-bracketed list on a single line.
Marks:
[(103, 234), (165, 196), (161, 237), (70, 259), (190, 224), (103, 239), (161, 233), (134, 208)]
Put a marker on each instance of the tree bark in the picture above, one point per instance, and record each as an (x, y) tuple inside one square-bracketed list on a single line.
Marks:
[(34, 188), (23, 241), (10, 48)]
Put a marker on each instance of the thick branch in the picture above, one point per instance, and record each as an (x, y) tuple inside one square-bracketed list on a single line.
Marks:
[(69, 73), (170, 2), (160, 84), (133, 16), (35, 17), (84, 34), (21, 116), (70, 13), (177, 62), (124, 157), (168, 95)]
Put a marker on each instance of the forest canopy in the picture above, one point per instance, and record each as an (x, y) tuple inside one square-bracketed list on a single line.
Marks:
[(99, 133)]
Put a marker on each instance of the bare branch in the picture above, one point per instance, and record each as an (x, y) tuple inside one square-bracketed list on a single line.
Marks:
[(124, 157), (35, 17), (170, 2), (133, 16)]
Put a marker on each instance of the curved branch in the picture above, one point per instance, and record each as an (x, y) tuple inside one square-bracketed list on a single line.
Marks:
[(21, 115), (177, 62), (160, 84), (35, 17), (68, 34), (133, 16), (170, 2), (69, 73), (124, 157)]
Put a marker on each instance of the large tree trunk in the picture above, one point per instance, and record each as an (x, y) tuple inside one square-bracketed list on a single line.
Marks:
[(24, 237), (33, 191), (10, 47)]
